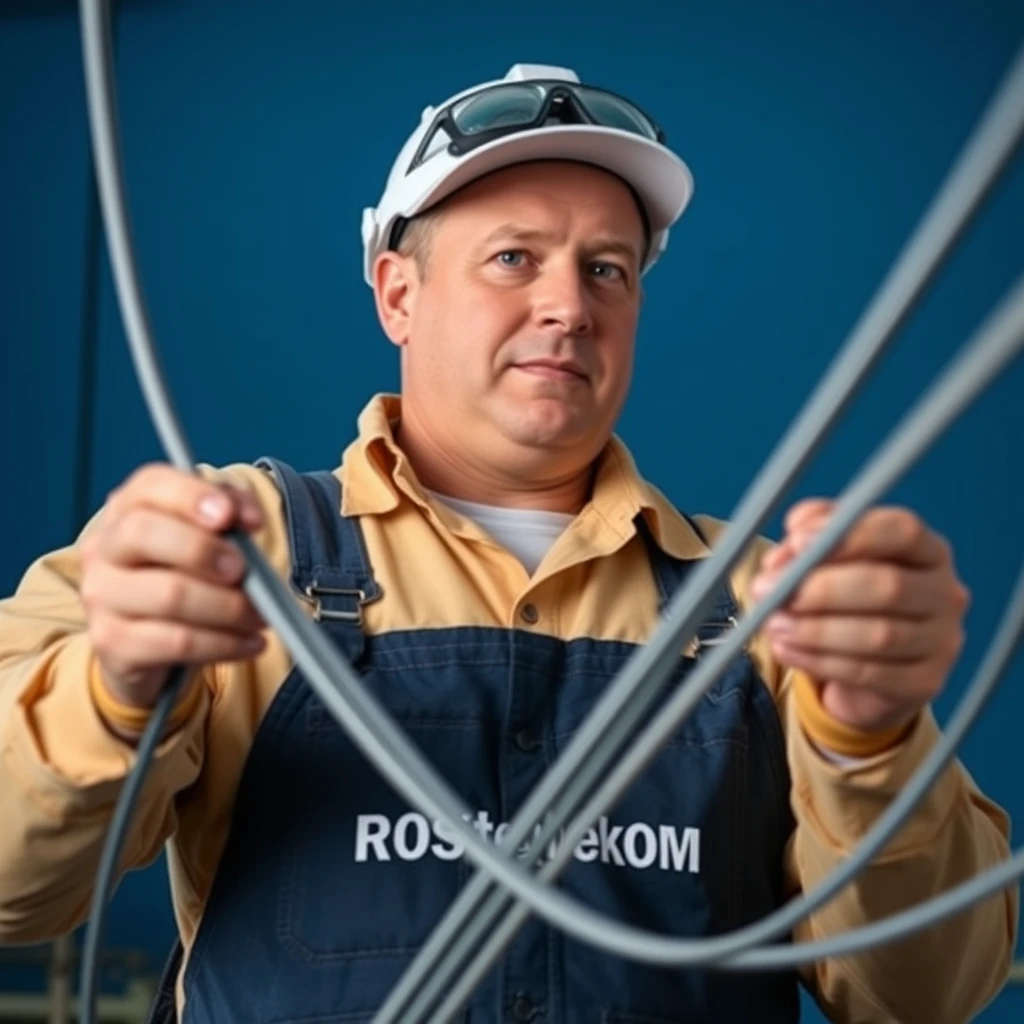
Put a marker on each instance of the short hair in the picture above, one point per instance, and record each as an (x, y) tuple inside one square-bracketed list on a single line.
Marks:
[(416, 238)]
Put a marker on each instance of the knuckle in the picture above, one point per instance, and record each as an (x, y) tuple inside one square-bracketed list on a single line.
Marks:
[(88, 547), (882, 635), (809, 631), (90, 590), (114, 500), (149, 474), (106, 634), (890, 585), (911, 528), (816, 591), (133, 528), (173, 596), (182, 643)]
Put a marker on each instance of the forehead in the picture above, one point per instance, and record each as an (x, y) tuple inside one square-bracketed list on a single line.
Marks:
[(573, 198)]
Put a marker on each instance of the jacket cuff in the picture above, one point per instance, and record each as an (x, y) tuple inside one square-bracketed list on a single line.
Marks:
[(841, 802), (129, 722)]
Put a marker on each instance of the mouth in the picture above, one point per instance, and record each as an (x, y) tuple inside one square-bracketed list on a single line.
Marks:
[(553, 369)]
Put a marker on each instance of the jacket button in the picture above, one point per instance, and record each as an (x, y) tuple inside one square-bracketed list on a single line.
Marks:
[(526, 741), (524, 1009), (529, 614)]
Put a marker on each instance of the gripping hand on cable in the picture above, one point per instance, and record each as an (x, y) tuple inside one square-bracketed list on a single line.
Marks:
[(878, 625), (161, 587)]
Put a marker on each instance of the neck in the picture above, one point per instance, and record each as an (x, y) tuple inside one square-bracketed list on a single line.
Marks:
[(457, 475)]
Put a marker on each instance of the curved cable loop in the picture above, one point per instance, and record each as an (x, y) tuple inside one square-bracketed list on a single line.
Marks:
[(330, 675)]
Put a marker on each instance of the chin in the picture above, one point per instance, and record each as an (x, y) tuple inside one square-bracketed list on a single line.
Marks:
[(561, 432)]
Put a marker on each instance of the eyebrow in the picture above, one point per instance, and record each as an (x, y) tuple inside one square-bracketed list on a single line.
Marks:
[(601, 244)]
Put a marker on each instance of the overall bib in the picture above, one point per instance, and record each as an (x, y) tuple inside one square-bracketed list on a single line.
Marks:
[(330, 882)]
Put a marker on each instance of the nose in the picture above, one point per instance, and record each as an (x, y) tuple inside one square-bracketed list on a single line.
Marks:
[(562, 301)]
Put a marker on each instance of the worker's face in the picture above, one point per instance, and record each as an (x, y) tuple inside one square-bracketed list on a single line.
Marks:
[(517, 343)]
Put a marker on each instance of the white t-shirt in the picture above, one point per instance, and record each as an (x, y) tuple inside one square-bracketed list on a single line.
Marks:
[(528, 533)]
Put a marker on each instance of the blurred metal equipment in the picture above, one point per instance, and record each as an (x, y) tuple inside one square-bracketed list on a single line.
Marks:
[(53, 1001), (60, 980)]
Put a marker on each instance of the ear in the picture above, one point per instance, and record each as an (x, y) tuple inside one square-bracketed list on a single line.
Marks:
[(395, 284)]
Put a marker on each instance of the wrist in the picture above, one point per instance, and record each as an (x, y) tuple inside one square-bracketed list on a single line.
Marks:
[(127, 720), (828, 732)]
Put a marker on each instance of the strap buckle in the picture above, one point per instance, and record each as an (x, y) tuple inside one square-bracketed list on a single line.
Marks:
[(313, 592), (714, 641)]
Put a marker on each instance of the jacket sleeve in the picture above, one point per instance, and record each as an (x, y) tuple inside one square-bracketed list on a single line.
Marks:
[(61, 768), (944, 975)]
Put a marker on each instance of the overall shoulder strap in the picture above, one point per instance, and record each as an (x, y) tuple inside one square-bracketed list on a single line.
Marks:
[(330, 565)]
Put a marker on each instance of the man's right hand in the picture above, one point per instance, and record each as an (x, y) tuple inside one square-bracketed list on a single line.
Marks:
[(161, 586)]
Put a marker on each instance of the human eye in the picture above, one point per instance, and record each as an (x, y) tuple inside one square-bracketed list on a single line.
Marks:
[(606, 271), (511, 258)]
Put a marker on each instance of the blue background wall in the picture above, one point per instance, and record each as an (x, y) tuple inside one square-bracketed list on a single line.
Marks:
[(255, 132)]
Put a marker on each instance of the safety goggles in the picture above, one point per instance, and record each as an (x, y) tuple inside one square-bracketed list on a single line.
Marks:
[(506, 108)]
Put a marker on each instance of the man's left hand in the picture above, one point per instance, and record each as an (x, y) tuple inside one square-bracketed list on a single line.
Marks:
[(878, 624)]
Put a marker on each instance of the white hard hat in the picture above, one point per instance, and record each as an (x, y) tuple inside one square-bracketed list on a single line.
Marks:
[(433, 164)]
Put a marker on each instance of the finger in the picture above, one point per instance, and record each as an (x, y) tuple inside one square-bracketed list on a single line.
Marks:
[(878, 638), (889, 534), (131, 645), (908, 682), (186, 496), (170, 596), (865, 588), (144, 536), (776, 557), (249, 508), (804, 511)]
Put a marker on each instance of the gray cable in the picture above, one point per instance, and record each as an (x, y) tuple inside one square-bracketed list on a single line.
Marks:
[(993, 664), (330, 675), (622, 707), (100, 92)]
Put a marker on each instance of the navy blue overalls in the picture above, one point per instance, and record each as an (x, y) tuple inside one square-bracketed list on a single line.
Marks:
[(330, 882)]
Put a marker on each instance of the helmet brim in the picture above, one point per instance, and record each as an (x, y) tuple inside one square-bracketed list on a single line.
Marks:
[(661, 180)]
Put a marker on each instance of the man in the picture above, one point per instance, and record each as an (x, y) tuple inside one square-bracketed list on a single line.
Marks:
[(491, 560)]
